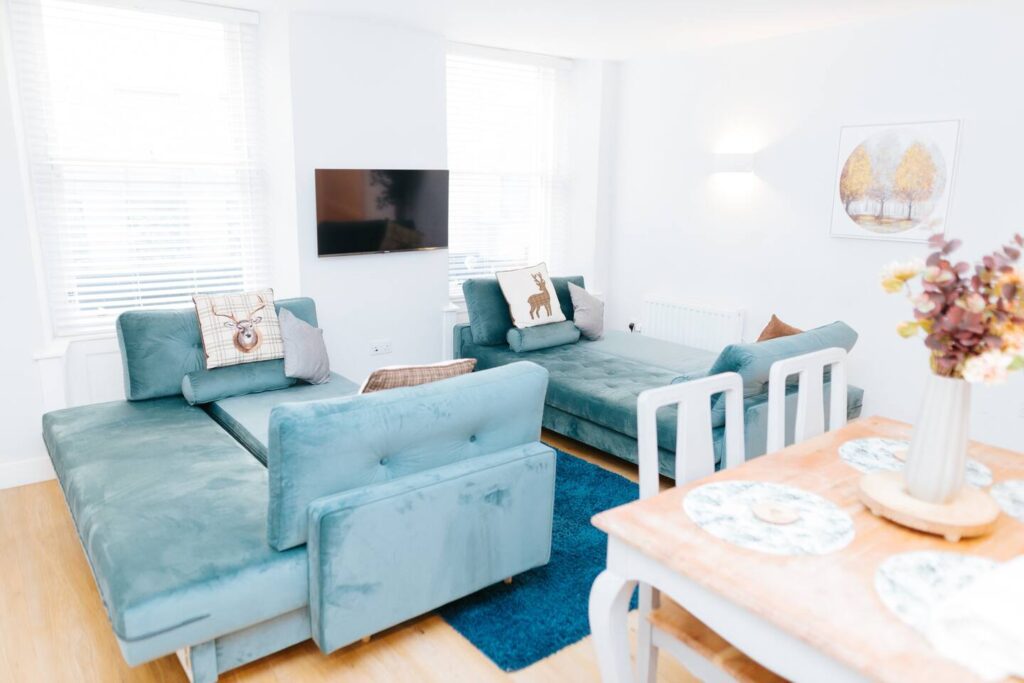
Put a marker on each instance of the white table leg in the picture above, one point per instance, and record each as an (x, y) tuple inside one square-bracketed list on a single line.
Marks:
[(646, 653), (609, 607)]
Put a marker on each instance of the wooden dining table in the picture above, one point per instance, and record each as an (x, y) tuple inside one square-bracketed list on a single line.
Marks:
[(804, 617)]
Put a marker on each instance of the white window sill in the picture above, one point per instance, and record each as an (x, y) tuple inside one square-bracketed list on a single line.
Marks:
[(58, 346)]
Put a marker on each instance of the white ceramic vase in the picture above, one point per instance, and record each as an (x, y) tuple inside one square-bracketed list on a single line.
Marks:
[(937, 459)]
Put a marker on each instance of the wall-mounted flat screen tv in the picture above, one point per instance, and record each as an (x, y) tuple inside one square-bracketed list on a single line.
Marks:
[(373, 211)]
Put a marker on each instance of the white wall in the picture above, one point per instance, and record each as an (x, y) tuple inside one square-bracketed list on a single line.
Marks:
[(762, 243), (21, 399), (368, 95)]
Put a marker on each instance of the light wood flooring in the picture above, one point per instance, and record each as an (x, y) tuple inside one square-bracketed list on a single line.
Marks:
[(53, 627)]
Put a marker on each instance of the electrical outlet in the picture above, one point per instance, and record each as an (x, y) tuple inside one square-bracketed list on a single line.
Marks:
[(380, 346)]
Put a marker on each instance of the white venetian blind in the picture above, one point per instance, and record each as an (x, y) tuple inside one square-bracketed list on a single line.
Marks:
[(507, 149), (142, 138)]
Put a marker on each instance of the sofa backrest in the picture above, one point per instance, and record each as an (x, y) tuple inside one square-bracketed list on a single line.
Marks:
[(753, 361), (320, 448), (489, 317), (160, 347)]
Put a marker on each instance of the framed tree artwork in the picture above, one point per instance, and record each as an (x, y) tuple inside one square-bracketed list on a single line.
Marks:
[(894, 182)]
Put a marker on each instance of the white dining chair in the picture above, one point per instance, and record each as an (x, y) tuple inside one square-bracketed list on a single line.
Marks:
[(810, 402), (695, 458)]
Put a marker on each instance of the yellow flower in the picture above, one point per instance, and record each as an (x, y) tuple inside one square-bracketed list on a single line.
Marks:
[(896, 274), (1011, 277), (892, 285), (1013, 340), (907, 329)]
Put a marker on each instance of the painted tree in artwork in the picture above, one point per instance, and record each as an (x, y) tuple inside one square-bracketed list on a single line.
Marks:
[(914, 180), (881, 192), (856, 178)]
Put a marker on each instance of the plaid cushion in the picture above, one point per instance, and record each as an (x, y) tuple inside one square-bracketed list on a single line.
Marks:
[(239, 328), (412, 375)]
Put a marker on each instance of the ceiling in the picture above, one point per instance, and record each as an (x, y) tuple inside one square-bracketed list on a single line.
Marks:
[(617, 29)]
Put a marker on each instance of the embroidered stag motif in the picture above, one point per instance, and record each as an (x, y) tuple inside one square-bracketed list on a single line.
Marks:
[(542, 300), (247, 335)]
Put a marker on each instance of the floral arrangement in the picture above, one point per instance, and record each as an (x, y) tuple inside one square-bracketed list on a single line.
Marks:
[(972, 318)]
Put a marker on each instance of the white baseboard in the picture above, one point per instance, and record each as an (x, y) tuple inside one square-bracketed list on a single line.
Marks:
[(29, 471)]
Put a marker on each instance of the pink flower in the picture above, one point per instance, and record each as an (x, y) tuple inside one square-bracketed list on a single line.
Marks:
[(973, 302), (938, 276), (923, 303), (991, 367)]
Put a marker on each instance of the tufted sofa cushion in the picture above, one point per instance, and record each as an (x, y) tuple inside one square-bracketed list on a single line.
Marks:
[(591, 382), (158, 348), (319, 448)]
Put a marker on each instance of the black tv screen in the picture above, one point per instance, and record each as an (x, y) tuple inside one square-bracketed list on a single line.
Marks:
[(372, 211)]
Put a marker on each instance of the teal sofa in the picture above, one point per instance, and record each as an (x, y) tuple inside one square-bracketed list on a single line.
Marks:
[(228, 531), (593, 388)]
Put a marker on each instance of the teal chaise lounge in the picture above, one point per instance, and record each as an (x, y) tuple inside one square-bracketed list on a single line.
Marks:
[(369, 509), (594, 385)]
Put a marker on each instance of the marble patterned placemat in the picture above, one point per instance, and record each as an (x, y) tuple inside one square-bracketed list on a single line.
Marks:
[(1010, 496), (877, 455), (910, 584), (723, 509)]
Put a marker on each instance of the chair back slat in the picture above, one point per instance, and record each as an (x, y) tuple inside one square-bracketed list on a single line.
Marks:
[(810, 402), (695, 452)]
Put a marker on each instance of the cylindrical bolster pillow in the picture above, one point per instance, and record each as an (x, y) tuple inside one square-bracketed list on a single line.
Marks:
[(542, 336), (206, 386)]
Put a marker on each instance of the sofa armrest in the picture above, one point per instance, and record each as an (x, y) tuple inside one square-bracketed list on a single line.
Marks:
[(755, 417), (318, 448), (384, 553), (461, 336)]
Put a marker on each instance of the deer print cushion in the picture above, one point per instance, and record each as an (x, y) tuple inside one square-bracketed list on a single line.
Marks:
[(239, 328), (531, 296)]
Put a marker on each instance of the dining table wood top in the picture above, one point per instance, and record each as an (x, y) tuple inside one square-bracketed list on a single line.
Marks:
[(828, 601)]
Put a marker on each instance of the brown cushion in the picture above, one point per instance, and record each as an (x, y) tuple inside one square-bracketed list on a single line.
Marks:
[(411, 375), (776, 328)]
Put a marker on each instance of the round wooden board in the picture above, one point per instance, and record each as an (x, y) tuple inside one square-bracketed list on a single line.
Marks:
[(774, 513), (972, 513)]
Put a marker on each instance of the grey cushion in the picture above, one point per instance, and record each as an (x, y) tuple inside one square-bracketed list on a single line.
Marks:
[(305, 354), (588, 312)]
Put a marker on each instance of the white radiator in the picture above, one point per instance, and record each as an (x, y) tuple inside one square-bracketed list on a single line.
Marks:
[(697, 326)]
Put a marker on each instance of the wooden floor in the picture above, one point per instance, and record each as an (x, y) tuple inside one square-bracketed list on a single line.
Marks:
[(53, 627)]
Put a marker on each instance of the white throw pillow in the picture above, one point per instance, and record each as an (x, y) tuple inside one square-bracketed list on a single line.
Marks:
[(239, 328), (588, 312), (530, 295)]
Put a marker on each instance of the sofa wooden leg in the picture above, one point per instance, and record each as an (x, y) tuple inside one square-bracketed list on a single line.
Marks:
[(199, 662), (508, 581), (365, 639)]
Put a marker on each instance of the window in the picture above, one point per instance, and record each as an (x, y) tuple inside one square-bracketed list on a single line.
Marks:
[(141, 135), (507, 149)]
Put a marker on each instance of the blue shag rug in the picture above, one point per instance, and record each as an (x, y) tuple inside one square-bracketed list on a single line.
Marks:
[(545, 609)]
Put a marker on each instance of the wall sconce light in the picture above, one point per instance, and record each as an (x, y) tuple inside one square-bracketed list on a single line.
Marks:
[(732, 163)]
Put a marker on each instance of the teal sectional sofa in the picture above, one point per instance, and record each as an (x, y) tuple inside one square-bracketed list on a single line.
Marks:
[(228, 531), (593, 388)]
